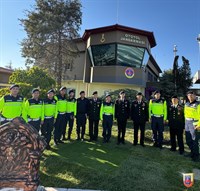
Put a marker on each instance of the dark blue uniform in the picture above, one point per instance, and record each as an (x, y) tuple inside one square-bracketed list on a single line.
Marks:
[(94, 115), (139, 115), (176, 125), (82, 110), (122, 112)]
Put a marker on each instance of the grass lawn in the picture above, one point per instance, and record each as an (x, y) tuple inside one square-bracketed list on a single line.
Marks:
[(96, 165)]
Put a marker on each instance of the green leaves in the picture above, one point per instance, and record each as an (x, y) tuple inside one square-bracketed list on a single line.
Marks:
[(32, 78), (50, 28), (183, 80)]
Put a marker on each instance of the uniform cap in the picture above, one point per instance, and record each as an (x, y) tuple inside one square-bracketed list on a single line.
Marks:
[(62, 88), (174, 96), (14, 85), (35, 90), (139, 93), (81, 92), (70, 91), (108, 95), (95, 92), (122, 92), (190, 92), (51, 91), (156, 92)]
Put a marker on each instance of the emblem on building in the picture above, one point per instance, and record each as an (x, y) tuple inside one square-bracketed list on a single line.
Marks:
[(102, 38), (129, 73)]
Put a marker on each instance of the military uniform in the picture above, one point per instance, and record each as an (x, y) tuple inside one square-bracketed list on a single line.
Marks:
[(192, 118), (71, 112), (157, 114), (10, 107), (60, 123), (81, 114), (33, 112), (139, 115), (107, 114), (176, 125), (94, 114), (50, 114), (122, 112)]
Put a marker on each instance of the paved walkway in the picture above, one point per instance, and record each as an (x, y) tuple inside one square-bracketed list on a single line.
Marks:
[(66, 189), (47, 189)]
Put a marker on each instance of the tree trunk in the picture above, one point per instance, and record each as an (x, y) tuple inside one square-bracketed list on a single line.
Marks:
[(59, 75)]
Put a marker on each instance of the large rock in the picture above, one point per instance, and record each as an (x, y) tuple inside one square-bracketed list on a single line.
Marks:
[(21, 147)]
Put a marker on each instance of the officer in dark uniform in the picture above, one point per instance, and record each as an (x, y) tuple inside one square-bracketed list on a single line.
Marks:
[(139, 115), (33, 111), (60, 124), (50, 115), (176, 124), (94, 114), (122, 112), (11, 105), (81, 115)]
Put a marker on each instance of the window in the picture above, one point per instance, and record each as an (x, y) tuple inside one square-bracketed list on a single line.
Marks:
[(104, 55), (129, 56), (69, 66), (118, 54)]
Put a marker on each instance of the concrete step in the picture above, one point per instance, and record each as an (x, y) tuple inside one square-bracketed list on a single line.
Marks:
[(66, 189)]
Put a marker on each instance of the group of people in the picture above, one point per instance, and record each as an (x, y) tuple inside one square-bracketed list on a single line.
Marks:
[(57, 112)]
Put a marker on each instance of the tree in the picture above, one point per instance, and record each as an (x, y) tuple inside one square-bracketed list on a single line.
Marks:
[(185, 79), (32, 78), (175, 72), (182, 79), (167, 84), (51, 28)]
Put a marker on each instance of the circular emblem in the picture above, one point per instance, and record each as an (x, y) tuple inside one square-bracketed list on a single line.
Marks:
[(129, 73)]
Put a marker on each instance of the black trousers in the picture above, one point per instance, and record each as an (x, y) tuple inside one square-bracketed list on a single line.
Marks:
[(107, 127), (60, 125), (70, 121), (80, 122), (93, 128), (47, 129), (176, 133), (121, 123), (137, 126), (35, 124), (157, 125)]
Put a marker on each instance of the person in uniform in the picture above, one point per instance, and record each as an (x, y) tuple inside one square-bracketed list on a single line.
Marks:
[(60, 123), (50, 115), (93, 115), (192, 124), (157, 117), (81, 115), (139, 115), (176, 124), (71, 112), (11, 105), (107, 114), (33, 111), (122, 112)]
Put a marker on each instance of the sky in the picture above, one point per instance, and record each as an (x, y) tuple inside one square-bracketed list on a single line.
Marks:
[(173, 22)]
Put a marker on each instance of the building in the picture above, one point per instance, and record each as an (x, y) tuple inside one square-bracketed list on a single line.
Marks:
[(196, 78), (111, 58), (5, 73)]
